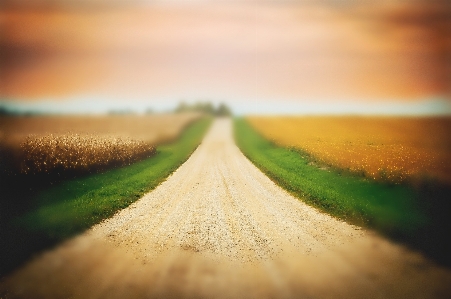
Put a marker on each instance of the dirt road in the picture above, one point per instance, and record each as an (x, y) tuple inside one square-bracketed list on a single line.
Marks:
[(220, 228)]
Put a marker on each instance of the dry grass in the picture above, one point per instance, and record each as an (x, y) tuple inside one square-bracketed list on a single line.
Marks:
[(74, 152), (382, 148), (84, 143)]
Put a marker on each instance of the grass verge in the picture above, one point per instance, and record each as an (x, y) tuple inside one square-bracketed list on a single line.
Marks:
[(416, 215), (36, 219)]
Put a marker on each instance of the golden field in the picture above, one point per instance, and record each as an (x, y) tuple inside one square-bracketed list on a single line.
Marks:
[(45, 144), (383, 148)]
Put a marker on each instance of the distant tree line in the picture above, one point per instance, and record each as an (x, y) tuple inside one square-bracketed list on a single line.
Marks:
[(4, 111), (205, 107), (7, 111)]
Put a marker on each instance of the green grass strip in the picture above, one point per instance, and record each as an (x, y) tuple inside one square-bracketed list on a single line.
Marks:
[(392, 208), (78, 204), (416, 215)]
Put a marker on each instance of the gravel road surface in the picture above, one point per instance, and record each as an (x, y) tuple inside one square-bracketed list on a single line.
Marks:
[(219, 228)]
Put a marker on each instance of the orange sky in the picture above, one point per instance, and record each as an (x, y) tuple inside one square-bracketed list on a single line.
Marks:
[(227, 50)]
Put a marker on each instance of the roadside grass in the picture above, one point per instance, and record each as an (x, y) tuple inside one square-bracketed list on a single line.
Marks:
[(415, 215), (35, 218)]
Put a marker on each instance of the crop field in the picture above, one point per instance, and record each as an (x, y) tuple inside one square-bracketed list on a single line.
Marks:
[(46, 144), (381, 148), (415, 213), (77, 152), (37, 211)]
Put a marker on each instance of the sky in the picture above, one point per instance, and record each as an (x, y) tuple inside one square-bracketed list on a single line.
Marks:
[(257, 56)]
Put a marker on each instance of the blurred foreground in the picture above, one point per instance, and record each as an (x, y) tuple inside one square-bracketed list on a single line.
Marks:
[(98, 269)]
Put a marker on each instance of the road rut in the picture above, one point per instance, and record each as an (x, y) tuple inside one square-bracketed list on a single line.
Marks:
[(218, 227)]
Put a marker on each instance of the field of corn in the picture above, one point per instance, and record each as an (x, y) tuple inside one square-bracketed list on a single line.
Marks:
[(81, 144), (381, 148)]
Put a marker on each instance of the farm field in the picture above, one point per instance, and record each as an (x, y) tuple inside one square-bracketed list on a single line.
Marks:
[(46, 144), (153, 128), (220, 228), (416, 214), (381, 148), (36, 214)]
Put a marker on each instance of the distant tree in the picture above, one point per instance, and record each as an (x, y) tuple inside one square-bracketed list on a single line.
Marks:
[(182, 107), (208, 108), (6, 111), (223, 110), (204, 107)]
